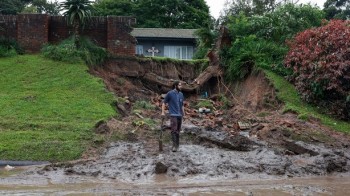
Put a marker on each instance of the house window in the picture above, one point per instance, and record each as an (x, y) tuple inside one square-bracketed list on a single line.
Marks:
[(139, 49), (178, 52)]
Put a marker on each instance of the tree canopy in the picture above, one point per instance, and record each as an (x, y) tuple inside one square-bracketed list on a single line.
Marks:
[(191, 14), (13, 7), (43, 7), (250, 7), (337, 9)]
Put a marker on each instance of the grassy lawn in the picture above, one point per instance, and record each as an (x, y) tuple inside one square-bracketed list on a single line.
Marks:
[(288, 94), (48, 108)]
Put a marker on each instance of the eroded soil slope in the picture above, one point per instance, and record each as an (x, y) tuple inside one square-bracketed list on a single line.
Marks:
[(244, 136)]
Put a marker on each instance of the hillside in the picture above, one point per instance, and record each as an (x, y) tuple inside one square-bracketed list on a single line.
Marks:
[(274, 142), (49, 109)]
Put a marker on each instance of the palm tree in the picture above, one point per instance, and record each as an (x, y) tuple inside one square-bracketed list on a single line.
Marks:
[(78, 13)]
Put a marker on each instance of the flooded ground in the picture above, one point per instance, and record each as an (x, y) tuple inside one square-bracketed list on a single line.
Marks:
[(130, 169), (211, 162), (13, 183)]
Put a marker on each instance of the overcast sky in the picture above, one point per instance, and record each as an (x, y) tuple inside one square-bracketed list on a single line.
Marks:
[(217, 5)]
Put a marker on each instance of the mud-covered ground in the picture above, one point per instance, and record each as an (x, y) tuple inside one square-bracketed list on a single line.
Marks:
[(277, 154)]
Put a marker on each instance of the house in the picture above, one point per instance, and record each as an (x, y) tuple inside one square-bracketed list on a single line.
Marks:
[(172, 43)]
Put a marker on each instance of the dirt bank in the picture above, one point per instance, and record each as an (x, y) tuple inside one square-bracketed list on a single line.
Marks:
[(214, 146), (245, 138)]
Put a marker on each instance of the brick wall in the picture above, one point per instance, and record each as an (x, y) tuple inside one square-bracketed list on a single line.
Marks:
[(96, 30), (119, 39), (33, 30), (58, 29), (8, 26)]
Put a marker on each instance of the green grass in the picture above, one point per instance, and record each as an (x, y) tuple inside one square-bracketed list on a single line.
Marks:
[(48, 108), (288, 94)]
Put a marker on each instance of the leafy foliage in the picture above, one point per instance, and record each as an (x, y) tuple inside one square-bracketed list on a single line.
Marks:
[(66, 51), (9, 47), (115, 7), (248, 8), (279, 25), (13, 7), (78, 13), (159, 13), (43, 7), (206, 40), (259, 41), (321, 63), (249, 53), (286, 21), (337, 9)]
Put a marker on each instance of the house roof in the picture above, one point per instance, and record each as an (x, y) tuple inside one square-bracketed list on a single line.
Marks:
[(164, 33)]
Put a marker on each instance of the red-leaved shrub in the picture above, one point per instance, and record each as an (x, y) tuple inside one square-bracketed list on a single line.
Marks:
[(320, 59)]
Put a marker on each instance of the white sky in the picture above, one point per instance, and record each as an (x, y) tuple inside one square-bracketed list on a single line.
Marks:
[(216, 6)]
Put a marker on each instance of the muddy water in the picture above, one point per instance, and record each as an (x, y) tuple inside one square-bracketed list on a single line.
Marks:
[(12, 183), (130, 169)]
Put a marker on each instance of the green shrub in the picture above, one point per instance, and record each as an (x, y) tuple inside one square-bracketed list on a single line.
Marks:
[(92, 54), (201, 53), (6, 52), (205, 103), (9, 47), (249, 53), (226, 102), (66, 51)]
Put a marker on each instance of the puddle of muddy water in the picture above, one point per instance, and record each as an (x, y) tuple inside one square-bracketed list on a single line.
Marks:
[(165, 185), (208, 171), (6, 173)]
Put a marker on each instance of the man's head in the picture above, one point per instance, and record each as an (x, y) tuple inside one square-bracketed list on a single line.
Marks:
[(177, 85)]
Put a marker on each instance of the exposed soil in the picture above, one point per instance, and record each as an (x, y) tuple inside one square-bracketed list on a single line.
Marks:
[(246, 137), (214, 145), (242, 136)]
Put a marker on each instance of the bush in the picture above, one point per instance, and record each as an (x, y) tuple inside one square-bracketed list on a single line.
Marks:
[(92, 54), (201, 53), (9, 47), (66, 51), (320, 59), (6, 52), (248, 53)]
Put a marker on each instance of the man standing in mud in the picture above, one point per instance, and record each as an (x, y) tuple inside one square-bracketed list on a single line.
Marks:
[(175, 99)]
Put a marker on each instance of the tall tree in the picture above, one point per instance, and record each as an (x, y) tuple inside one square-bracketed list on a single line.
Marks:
[(43, 7), (78, 12), (159, 13), (12, 6), (337, 9), (251, 7), (115, 7)]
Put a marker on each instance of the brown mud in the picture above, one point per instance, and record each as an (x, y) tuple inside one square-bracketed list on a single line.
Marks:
[(243, 145), (276, 154)]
